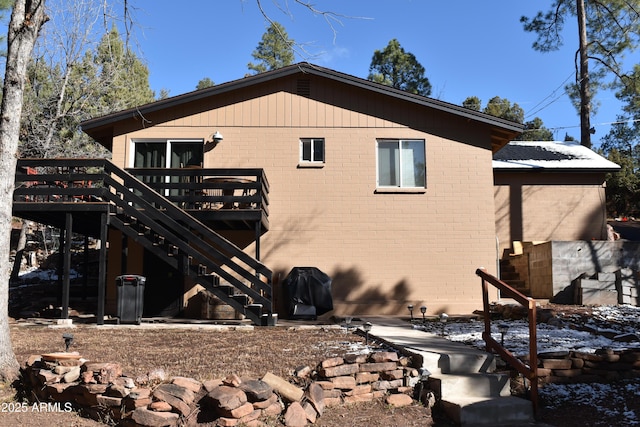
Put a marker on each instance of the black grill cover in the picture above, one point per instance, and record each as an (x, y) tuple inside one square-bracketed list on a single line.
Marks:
[(308, 286)]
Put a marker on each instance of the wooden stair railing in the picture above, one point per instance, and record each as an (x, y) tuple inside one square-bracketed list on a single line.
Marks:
[(530, 372), (166, 230)]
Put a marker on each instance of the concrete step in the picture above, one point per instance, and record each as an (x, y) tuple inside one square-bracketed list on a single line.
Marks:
[(495, 411), (466, 363), (470, 385)]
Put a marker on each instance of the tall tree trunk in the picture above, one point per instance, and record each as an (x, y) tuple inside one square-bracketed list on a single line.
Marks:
[(26, 19), (585, 89)]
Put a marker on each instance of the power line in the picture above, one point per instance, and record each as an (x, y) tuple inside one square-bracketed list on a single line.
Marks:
[(617, 122), (553, 93)]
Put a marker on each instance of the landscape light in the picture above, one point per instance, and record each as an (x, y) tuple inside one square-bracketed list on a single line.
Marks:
[(502, 328), (423, 310), (410, 307), (68, 339), (443, 319), (347, 323), (367, 327)]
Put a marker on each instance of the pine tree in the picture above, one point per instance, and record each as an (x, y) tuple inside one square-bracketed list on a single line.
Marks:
[(392, 66), (274, 51)]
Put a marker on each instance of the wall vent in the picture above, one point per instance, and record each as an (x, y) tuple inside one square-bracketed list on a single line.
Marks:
[(304, 87)]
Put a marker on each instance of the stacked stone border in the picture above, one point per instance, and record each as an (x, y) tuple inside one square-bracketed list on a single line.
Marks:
[(101, 391), (605, 365)]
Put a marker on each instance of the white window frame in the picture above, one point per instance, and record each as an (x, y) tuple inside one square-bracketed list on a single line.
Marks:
[(312, 161), (400, 186), (168, 141)]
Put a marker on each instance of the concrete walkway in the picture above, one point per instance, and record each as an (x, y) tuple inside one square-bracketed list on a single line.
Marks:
[(399, 333)]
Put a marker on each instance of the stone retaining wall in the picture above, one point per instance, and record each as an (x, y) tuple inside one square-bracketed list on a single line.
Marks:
[(101, 391), (604, 365)]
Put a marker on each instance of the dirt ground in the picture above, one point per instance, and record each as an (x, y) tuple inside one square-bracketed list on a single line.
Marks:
[(203, 354), (207, 354)]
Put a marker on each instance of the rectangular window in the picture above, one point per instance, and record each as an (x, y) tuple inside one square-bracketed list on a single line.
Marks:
[(401, 163), (167, 153), (312, 150)]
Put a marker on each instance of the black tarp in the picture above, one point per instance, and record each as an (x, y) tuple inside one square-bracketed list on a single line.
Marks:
[(308, 292)]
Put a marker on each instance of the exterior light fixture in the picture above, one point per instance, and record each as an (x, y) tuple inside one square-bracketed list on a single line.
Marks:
[(443, 319), (410, 308), (423, 310), (347, 323), (502, 328), (367, 328), (68, 339), (217, 137)]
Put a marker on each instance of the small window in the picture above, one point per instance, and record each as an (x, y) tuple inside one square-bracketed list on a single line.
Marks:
[(312, 150), (401, 163)]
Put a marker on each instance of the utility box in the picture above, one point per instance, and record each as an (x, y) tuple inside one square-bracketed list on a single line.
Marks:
[(130, 289)]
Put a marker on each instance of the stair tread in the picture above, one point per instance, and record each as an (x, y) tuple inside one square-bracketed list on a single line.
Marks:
[(485, 400), (471, 385), (490, 411)]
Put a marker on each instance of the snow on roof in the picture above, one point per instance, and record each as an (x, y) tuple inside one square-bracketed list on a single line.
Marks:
[(554, 155)]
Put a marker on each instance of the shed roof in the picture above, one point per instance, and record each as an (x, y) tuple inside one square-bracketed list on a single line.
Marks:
[(101, 128), (553, 156)]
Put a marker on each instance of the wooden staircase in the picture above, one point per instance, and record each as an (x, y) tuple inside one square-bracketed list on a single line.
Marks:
[(147, 217)]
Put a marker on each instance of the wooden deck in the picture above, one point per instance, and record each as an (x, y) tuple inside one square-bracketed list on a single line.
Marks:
[(223, 199), (175, 214)]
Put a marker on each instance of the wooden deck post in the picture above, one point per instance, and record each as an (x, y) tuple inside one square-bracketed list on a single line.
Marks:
[(66, 281), (102, 267)]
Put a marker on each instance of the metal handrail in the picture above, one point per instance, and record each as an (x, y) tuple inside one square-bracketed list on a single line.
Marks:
[(529, 372)]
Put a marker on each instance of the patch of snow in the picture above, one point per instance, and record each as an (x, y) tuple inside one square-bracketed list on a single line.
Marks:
[(45, 275)]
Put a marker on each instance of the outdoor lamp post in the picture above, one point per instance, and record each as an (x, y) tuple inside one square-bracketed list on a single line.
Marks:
[(502, 328), (423, 310), (68, 339), (410, 307), (347, 323), (367, 328), (443, 319)]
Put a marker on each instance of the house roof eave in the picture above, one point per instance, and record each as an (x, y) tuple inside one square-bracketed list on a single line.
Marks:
[(101, 128)]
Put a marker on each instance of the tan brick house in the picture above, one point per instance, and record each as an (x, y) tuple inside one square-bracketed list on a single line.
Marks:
[(391, 194)]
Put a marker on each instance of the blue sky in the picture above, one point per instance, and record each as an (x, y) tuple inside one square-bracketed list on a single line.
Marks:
[(468, 48)]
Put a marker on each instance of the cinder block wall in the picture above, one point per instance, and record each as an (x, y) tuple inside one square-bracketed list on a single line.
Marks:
[(552, 267)]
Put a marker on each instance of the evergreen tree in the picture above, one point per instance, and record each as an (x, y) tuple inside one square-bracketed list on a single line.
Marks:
[(502, 107), (620, 146), (473, 103), (59, 96), (606, 31), (534, 130), (392, 66), (124, 77), (205, 83), (274, 51)]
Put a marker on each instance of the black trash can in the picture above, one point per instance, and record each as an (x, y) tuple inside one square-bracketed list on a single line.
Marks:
[(130, 289)]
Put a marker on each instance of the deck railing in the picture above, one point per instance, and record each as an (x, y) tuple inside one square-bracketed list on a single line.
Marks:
[(530, 372), (208, 188)]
